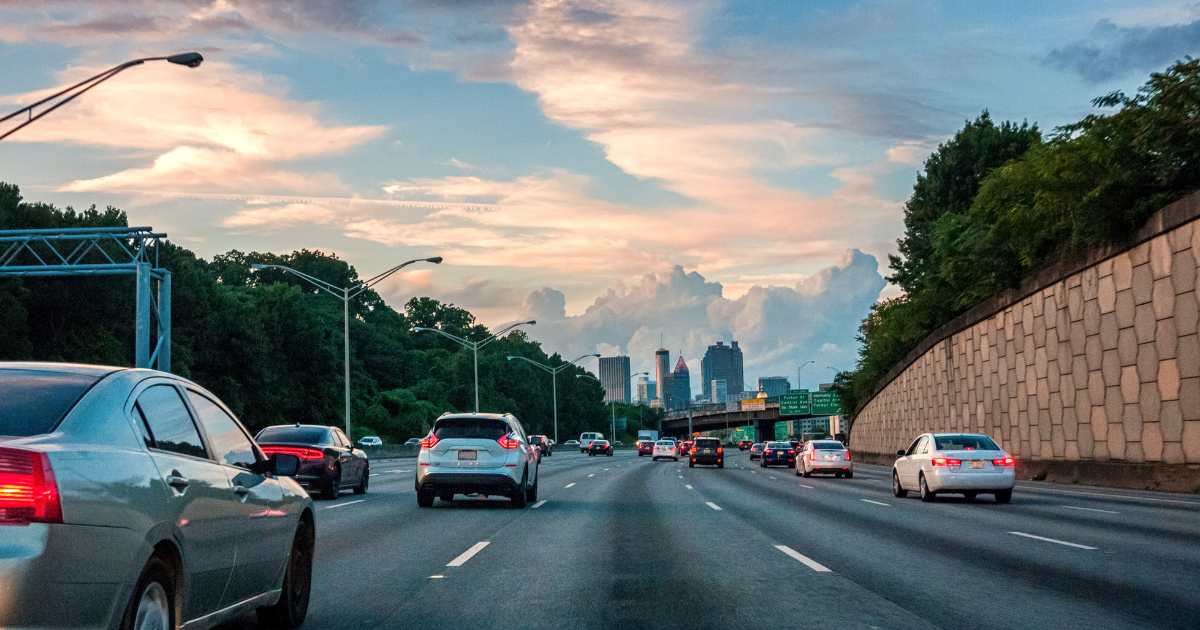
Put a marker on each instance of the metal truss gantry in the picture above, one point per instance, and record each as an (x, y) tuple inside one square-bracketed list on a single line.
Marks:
[(102, 251)]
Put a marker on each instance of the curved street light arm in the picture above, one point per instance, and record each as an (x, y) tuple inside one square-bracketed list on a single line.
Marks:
[(503, 331), (372, 281), (317, 282), (533, 363), (455, 338)]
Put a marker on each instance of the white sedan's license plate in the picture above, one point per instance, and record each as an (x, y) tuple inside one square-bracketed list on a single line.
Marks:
[(977, 464), (468, 455)]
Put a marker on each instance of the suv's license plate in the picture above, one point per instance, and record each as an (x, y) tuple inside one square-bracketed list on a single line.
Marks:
[(470, 455), (977, 464)]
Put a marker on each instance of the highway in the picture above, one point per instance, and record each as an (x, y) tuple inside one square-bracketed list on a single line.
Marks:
[(627, 542)]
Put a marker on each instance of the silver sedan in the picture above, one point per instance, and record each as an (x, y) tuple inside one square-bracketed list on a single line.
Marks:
[(134, 499)]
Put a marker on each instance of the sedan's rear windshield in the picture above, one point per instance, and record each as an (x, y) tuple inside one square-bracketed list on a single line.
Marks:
[(965, 443), (708, 443), (33, 402), (664, 443), (829, 446), (775, 445), (471, 429), (296, 435)]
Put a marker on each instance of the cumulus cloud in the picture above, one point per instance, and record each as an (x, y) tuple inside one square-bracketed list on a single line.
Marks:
[(545, 305), (777, 326), (1112, 51)]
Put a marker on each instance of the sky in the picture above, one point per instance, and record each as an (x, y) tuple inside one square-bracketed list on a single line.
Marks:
[(625, 171)]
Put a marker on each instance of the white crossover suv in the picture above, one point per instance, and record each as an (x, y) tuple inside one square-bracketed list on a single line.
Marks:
[(477, 453)]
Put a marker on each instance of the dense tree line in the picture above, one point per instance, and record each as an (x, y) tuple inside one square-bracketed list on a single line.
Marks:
[(997, 202), (271, 347)]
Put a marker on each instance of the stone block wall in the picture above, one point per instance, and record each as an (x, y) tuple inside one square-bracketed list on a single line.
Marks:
[(1100, 365)]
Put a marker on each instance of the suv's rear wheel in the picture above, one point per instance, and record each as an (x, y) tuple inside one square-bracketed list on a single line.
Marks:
[(518, 497), (531, 493), (292, 607), (425, 498), (1003, 496), (150, 607)]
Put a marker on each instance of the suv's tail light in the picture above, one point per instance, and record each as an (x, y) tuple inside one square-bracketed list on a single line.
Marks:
[(28, 490), (302, 452), (508, 441), (847, 455), (1005, 462), (720, 450), (946, 461), (429, 441)]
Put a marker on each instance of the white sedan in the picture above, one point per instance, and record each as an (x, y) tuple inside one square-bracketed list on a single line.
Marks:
[(964, 463), (664, 449)]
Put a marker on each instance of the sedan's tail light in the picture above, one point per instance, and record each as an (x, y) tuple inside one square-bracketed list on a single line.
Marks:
[(1004, 462), (768, 452), (429, 441), (301, 452), (847, 455), (791, 451), (946, 461), (509, 442), (28, 490)]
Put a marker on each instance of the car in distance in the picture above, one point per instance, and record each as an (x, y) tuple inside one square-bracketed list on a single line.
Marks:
[(600, 447), (684, 447), (477, 453), (665, 449), (756, 450), (413, 441), (370, 441), (778, 454), (825, 456), (542, 443), (572, 444), (134, 498), (707, 451), (328, 462), (744, 444), (586, 438), (645, 447), (965, 463), (618, 443)]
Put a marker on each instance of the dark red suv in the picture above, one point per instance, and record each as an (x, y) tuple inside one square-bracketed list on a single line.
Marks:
[(645, 447)]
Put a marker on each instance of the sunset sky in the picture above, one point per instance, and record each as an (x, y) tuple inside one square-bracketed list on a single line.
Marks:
[(620, 169)]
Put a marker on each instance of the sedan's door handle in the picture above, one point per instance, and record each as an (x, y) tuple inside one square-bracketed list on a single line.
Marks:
[(177, 481), (241, 490)]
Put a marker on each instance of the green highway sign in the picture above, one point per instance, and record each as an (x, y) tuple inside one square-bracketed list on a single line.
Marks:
[(781, 430), (826, 403), (621, 423), (795, 403)]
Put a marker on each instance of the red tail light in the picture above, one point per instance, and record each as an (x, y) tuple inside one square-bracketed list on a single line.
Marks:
[(946, 461), (847, 455), (720, 450), (302, 452), (429, 441), (1005, 462), (508, 441), (28, 490), (767, 451), (791, 451), (694, 450)]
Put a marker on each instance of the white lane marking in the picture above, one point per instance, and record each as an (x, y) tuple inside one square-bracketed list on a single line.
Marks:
[(680, 476), (753, 472), (773, 478), (538, 504), (330, 507), (591, 475), (688, 486), (804, 485), (375, 474), (1072, 507), (569, 485), (875, 502), (713, 505), (1127, 497), (1054, 540), (805, 560), (468, 554), (437, 577)]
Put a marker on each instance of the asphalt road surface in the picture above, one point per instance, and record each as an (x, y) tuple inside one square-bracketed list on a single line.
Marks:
[(624, 542)]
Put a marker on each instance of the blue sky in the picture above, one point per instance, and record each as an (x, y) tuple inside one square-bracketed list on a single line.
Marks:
[(595, 152)]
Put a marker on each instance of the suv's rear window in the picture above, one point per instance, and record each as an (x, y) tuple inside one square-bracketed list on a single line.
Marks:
[(33, 402), (965, 443), (829, 446), (296, 435), (709, 443), (471, 429)]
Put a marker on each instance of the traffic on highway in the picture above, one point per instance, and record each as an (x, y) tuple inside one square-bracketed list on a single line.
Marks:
[(137, 496)]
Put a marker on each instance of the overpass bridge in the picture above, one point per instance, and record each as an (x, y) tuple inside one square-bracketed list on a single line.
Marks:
[(677, 424)]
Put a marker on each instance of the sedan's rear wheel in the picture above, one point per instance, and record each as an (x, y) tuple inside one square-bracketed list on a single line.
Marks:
[(150, 607), (292, 607), (927, 495), (363, 483), (1004, 496), (897, 489)]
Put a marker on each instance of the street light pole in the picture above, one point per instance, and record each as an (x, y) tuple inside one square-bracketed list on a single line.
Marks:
[(345, 294), (553, 379), (801, 369), (475, 346), (188, 59)]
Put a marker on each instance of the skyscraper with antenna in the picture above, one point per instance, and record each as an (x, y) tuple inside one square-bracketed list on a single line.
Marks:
[(662, 374)]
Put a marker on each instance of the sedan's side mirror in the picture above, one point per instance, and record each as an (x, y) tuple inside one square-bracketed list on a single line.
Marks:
[(284, 465), (899, 453)]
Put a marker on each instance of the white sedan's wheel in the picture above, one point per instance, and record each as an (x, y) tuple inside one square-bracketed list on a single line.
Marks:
[(153, 609)]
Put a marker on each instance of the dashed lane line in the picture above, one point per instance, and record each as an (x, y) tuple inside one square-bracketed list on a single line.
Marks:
[(875, 502), (468, 554), (688, 486), (1055, 541), (569, 485), (803, 559), (1072, 507), (330, 507), (538, 504), (712, 505)]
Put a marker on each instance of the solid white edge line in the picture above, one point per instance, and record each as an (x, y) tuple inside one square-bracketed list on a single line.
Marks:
[(591, 475), (875, 502), (468, 554), (713, 505), (1054, 540), (538, 504), (803, 559), (1123, 497), (568, 485), (1072, 507), (330, 507), (437, 577), (804, 485)]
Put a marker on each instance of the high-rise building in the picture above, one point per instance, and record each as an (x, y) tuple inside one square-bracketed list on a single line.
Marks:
[(614, 376), (681, 386), (718, 391), (722, 362), (662, 376), (775, 386), (644, 391)]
